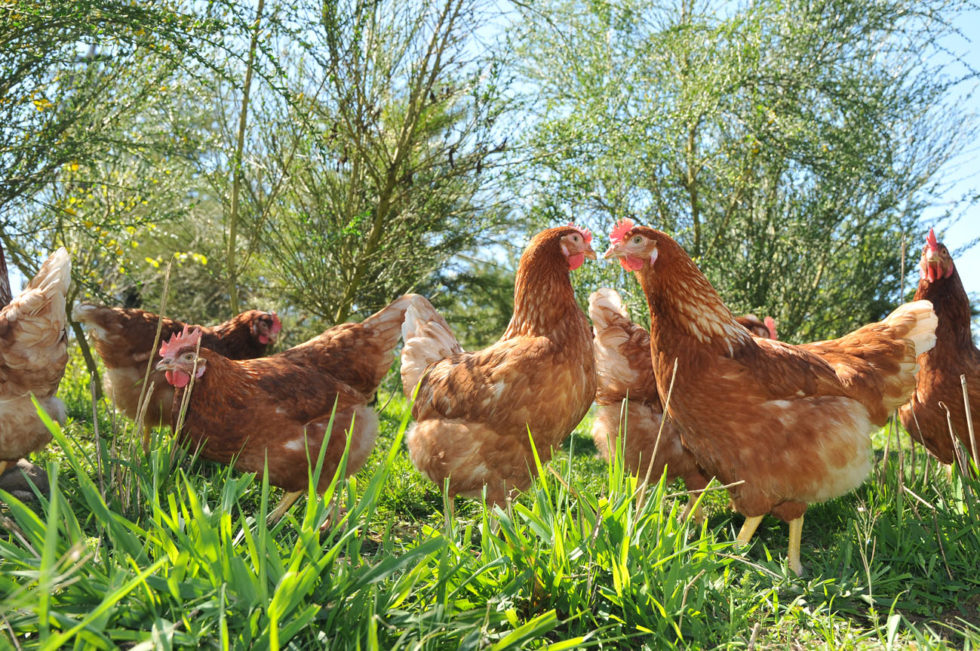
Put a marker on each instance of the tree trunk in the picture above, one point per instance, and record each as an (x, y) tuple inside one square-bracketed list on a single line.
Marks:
[(236, 166)]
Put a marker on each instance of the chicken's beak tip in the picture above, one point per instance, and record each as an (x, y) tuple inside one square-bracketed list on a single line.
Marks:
[(610, 252)]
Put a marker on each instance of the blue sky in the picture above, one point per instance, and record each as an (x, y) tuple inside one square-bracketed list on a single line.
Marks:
[(965, 172)]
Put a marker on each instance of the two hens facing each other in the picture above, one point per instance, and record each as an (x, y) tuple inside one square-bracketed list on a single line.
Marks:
[(274, 412), (474, 410), (33, 356), (625, 375), (792, 423)]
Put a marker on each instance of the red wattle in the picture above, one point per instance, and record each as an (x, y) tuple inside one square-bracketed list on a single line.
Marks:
[(576, 260), (263, 339), (178, 379), (631, 263)]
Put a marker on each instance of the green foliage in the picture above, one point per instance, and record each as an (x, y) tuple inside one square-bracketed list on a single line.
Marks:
[(790, 147), (389, 147)]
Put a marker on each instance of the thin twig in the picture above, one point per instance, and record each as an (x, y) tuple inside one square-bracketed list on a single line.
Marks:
[(969, 419), (942, 549)]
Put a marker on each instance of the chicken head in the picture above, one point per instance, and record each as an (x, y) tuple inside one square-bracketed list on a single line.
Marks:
[(577, 246), (632, 247), (936, 261), (180, 357), (266, 327)]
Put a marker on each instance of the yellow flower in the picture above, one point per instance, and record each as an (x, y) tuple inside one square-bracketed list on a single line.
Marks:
[(41, 103)]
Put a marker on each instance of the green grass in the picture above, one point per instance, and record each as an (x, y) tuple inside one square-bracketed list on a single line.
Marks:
[(161, 551)]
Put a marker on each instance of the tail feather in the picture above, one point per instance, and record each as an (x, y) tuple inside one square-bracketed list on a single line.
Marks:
[(33, 326), (606, 308), (373, 346), (385, 325), (428, 338), (916, 322), (46, 290), (622, 350)]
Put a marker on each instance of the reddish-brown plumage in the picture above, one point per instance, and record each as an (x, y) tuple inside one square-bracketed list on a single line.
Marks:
[(791, 422), (123, 338), (625, 373), (473, 410), (33, 355), (274, 407), (953, 356)]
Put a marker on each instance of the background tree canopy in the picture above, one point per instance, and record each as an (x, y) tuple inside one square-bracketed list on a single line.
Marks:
[(321, 159)]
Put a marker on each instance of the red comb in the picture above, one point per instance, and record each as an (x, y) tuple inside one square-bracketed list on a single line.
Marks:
[(586, 233), (619, 231), (181, 340), (931, 240)]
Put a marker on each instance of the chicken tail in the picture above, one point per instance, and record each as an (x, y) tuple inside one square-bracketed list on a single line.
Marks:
[(51, 281), (45, 294), (619, 344), (606, 308), (915, 323), (428, 339), (33, 327)]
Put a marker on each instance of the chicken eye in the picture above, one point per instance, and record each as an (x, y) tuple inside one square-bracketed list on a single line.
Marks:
[(637, 239)]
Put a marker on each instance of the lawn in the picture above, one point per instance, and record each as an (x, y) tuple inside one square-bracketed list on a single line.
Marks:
[(157, 550)]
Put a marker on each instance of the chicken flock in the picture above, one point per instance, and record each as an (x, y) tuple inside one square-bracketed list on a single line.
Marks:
[(703, 394)]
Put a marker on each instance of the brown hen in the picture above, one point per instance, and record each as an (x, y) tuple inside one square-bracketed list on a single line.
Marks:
[(33, 356), (276, 409), (792, 423), (954, 355), (473, 410)]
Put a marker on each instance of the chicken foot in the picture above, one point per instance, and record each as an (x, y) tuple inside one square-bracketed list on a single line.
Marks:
[(287, 501)]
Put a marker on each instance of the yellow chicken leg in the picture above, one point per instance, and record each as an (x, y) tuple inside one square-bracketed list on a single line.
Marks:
[(748, 528), (287, 501), (795, 535), (3, 466)]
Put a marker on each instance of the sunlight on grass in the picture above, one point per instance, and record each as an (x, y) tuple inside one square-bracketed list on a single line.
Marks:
[(160, 550)]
